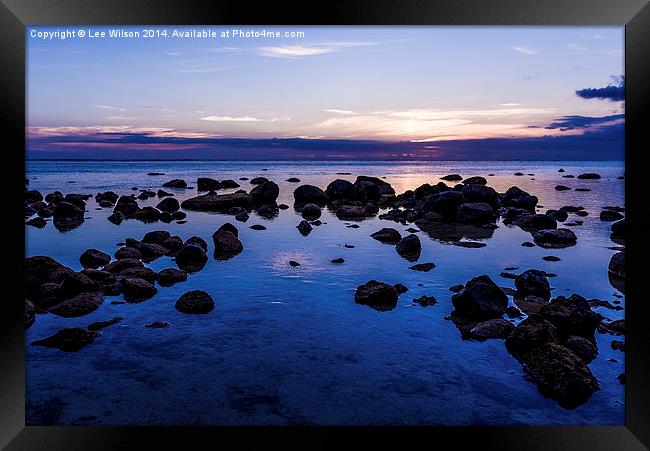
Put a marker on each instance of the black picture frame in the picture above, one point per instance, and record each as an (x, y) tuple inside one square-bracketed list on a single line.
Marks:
[(633, 14)]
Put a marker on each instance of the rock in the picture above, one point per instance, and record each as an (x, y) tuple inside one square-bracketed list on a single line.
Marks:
[(529, 334), (158, 325), (170, 276), (423, 267), (618, 229), (168, 204), (67, 215), (228, 227), (513, 312), (492, 328), (118, 266), (226, 245), (68, 340), (197, 240), (305, 194), (456, 288), (104, 324), (425, 301), (340, 189), (195, 302), (128, 252), (32, 196), (589, 176), (257, 227), (191, 258), (293, 263), (480, 298), (561, 375), (311, 212), (40, 270), (617, 345), (452, 177), (351, 212), (30, 313), (163, 193), (475, 213), (126, 205), (147, 214), (561, 188), (155, 173), (480, 194), (258, 180), (533, 283), (535, 222), (139, 272), (76, 283), (384, 187), (616, 271), (558, 215), (228, 184), (617, 327), (475, 181), (610, 215), (445, 204), (45, 213), (37, 222), (527, 244), (265, 192), (468, 244), (551, 258), (387, 235), (518, 198), (266, 212), (378, 295), (365, 190), (175, 183), (116, 218), (554, 238), (241, 216), (571, 316), (337, 260), (218, 202), (207, 184), (78, 305), (409, 247), (582, 347), (304, 228), (293, 180), (93, 258), (136, 289), (400, 288)]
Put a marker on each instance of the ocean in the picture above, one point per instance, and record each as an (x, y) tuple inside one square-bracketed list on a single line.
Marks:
[(288, 345)]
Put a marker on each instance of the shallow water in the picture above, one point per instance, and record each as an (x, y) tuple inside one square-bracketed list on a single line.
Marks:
[(289, 345)]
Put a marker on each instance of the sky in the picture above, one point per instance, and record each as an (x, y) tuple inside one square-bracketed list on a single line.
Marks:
[(370, 92)]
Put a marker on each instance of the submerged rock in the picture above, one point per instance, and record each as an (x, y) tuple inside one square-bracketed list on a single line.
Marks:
[(491, 329), (387, 235), (311, 212), (378, 295), (78, 305), (136, 289), (425, 301), (409, 247), (304, 228), (93, 258), (170, 276), (68, 340), (195, 302), (559, 238)]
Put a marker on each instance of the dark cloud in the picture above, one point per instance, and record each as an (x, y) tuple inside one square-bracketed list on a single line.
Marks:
[(615, 92), (581, 122)]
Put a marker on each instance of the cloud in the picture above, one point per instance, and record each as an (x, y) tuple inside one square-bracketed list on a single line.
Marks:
[(335, 111), (566, 123), (108, 107), (230, 119), (300, 51), (510, 104), (523, 49), (174, 53), (615, 92), (531, 76)]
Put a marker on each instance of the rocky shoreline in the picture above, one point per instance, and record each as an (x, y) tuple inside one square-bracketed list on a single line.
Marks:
[(553, 338)]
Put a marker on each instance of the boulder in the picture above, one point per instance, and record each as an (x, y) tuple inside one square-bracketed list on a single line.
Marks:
[(533, 283), (475, 181), (582, 347), (561, 188), (265, 192), (518, 198), (117, 266), (340, 189), (226, 245), (229, 184), (533, 222), (170, 276), (311, 212), (67, 215), (561, 375), (378, 295), (571, 316), (305, 194), (128, 252), (618, 229), (168, 204), (126, 205), (351, 212), (147, 214), (423, 267), (207, 184), (492, 328), (452, 177), (558, 215), (480, 298), (69, 340), (93, 258), (409, 247), (610, 215), (616, 271), (136, 289), (266, 212), (116, 218), (475, 213), (387, 235), (365, 190), (589, 176), (191, 258), (384, 187), (76, 283), (78, 305), (218, 202), (554, 238), (195, 302), (479, 193), (39, 270), (445, 204), (175, 183), (529, 334), (37, 222), (197, 240), (425, 301), (304, 228)]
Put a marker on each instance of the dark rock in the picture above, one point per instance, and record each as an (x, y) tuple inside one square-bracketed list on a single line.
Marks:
[(378, 295), (118, 266), (480, 298), (229, 184), (491, 329), (351, 212), (162, 193), (529, 334), (558, 215), (527, 244), (191, 258), (265, 192), (207, 184), (305, 194), (37, 222), (175, 183), (257, 227), (293, 180), (168, 204), (76, 283), (551, 258), (136, 289), (201, 242), (561, 188), (148, 214), (195, 302), (139, 272), (155, 173), (551, 238), (518, 198), (617, 327), (452, 178), (40, 270), (104, 324), (561, 375), (311, 212), (365, 190), (535, 222), (228, 227), (456, 288), (387, 235), (116, 218), (128, 252), (400, 288), (423, 267), (409, 247), (425, 301), (126, 205), (79, 305), (218, 202), (304, 228), (156, 237), (226, 245), (340, 189), (241, 216), (69, 340), (337, 260), (258, 180), (293, 263), (67, 215), (30, 313), (589, 176), (533, 283), (445, 204), (158, 325), (170, 276), (475, 213), (571, 316), (481, 194), (616, 271), (475, 181), (266, 212), (610, 215), (617, 345), (468, 244)]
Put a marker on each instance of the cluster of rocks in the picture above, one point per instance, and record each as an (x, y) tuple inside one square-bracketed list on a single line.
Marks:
[(126, 207), (67, 211), (555, 341)]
